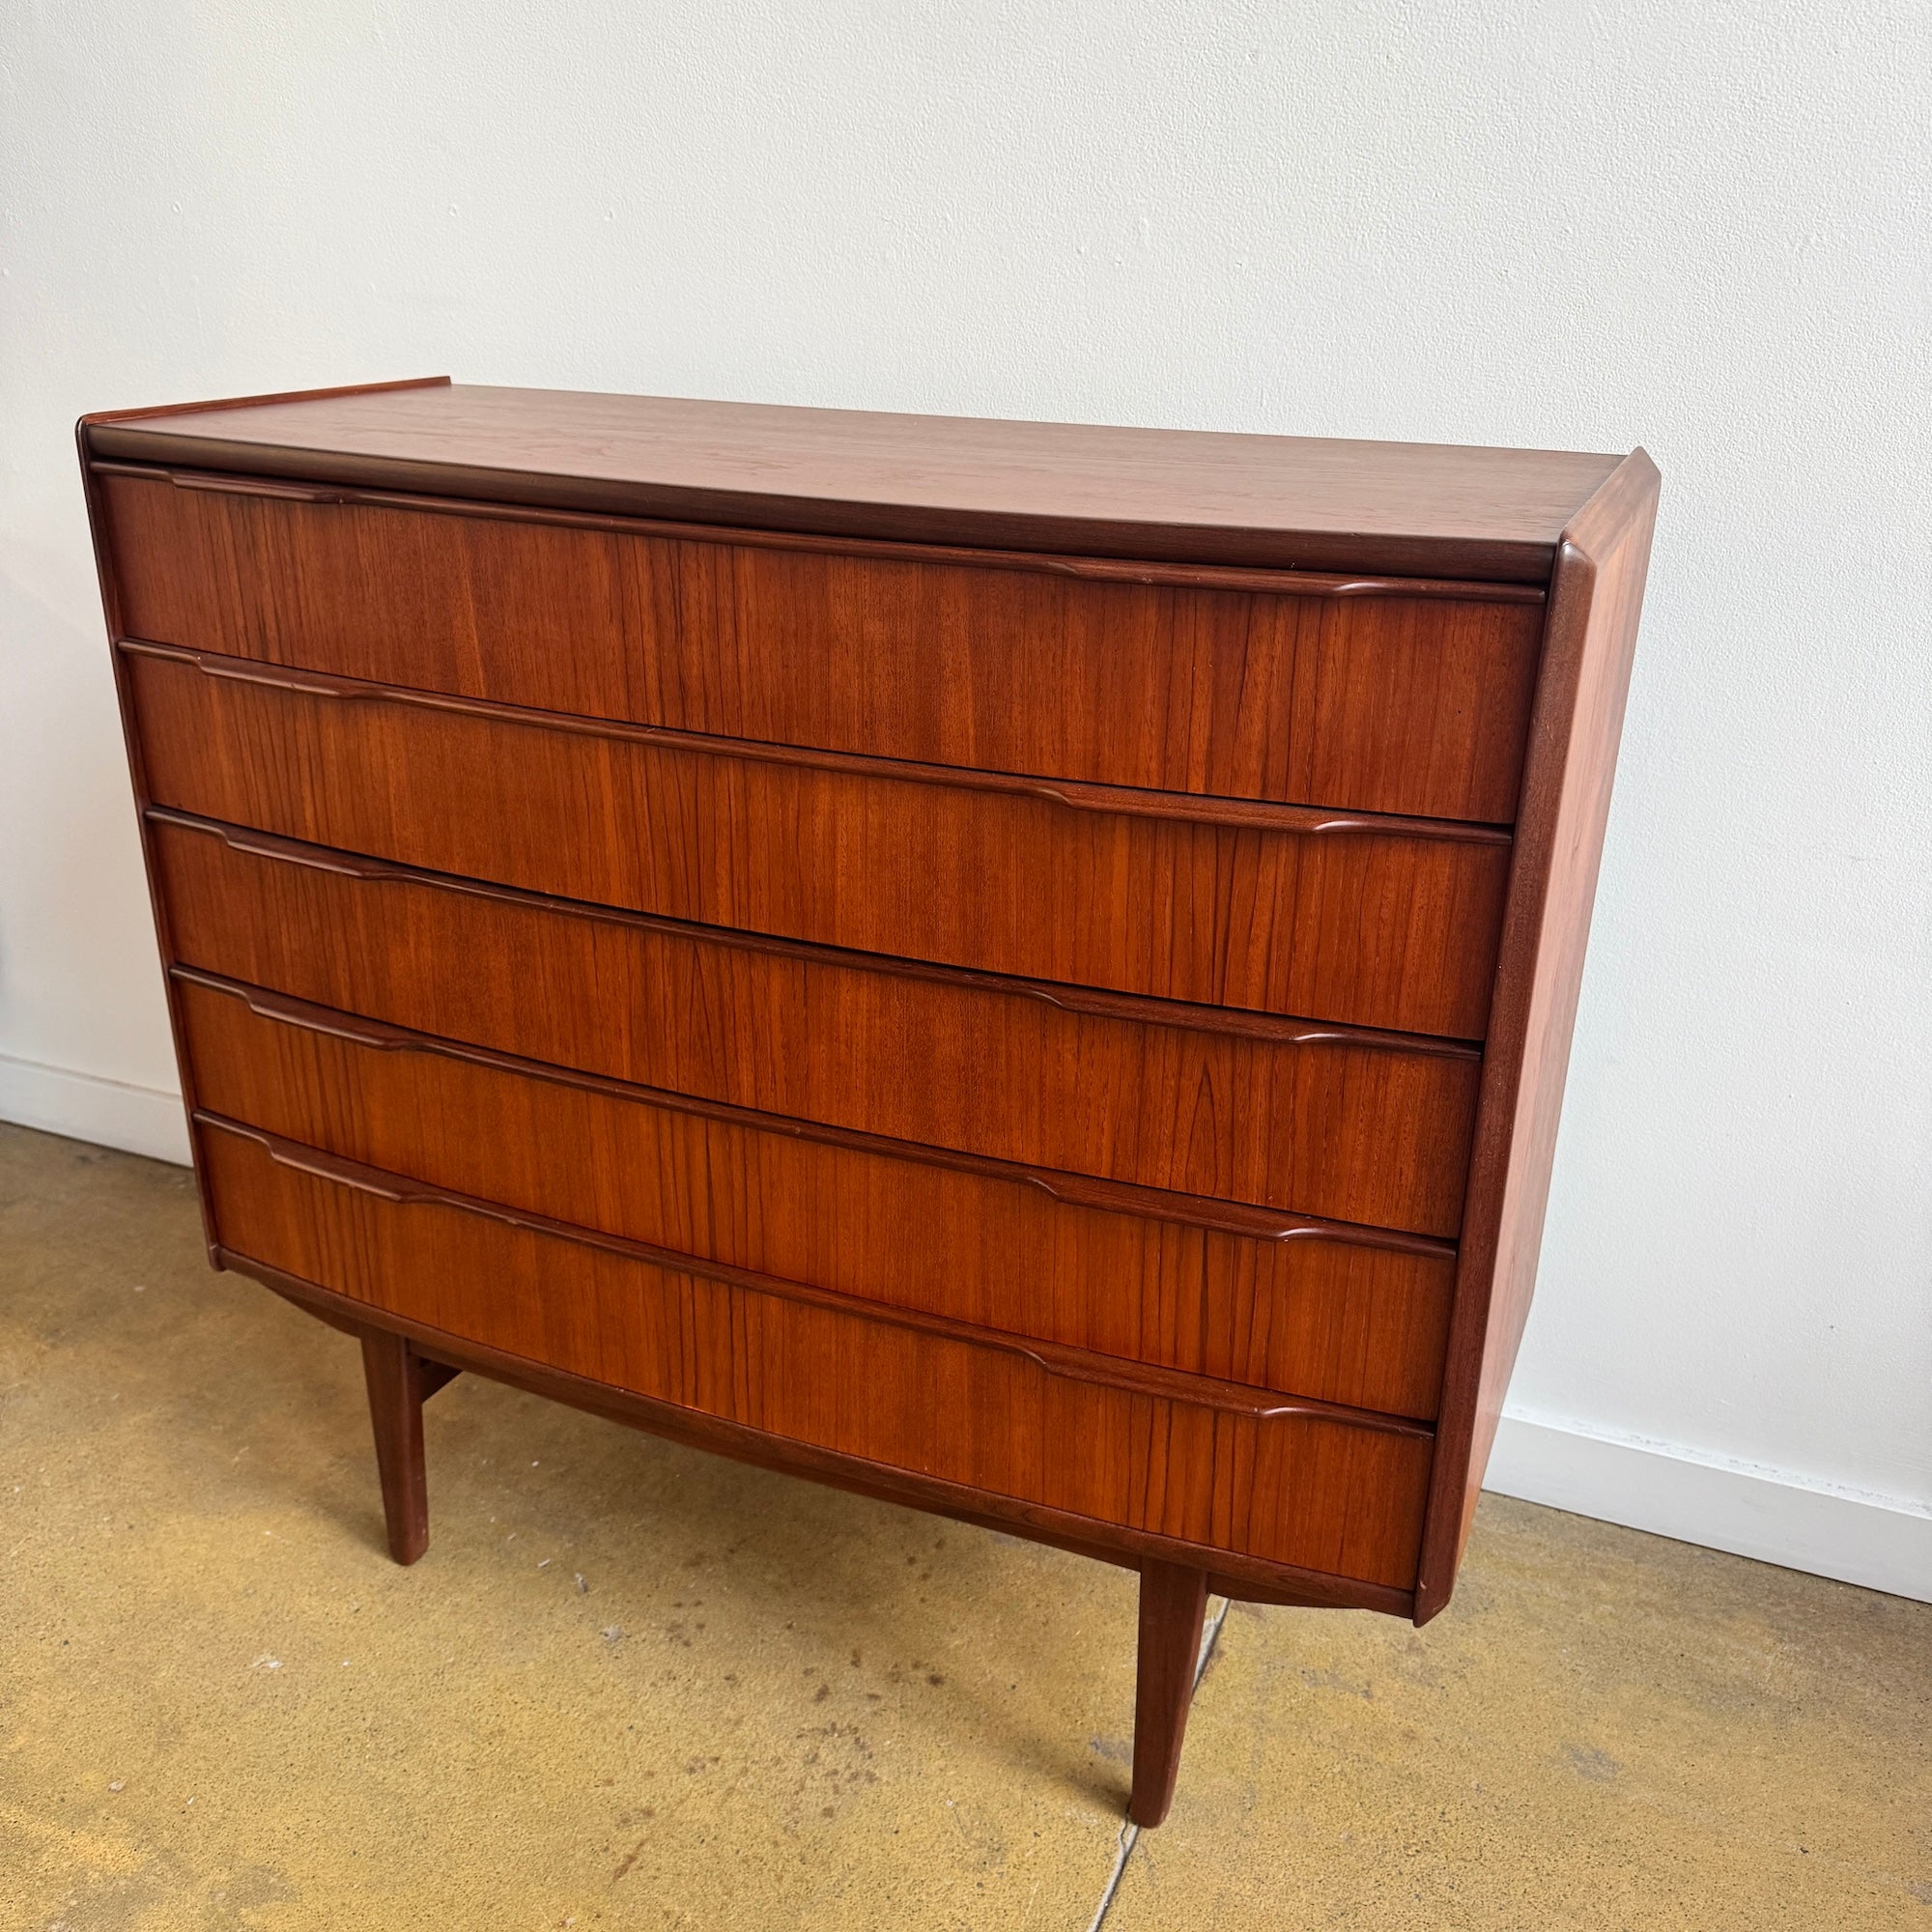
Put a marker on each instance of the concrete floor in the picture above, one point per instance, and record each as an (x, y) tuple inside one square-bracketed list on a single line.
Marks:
[(633, 1686)]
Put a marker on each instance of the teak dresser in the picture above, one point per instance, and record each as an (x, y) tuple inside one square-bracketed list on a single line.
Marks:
[(1022, 969)]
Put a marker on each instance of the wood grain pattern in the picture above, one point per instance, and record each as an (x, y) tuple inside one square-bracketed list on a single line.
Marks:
[(1214, 1103), (1056, 1361), (110, 606), (1595, 604), (1298, 1489), (1335, 1313), (1314, 693), (1052, 1358), (149, 411), (827, 937), (1366, 921), (1173, 1614), (1296, 503), (393, 1372), (1252, 1580)]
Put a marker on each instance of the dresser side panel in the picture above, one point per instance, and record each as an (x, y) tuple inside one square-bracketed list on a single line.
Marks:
[(1597, 596)]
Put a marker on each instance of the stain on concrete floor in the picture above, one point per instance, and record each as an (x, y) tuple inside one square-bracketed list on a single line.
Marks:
[(632, 1685)]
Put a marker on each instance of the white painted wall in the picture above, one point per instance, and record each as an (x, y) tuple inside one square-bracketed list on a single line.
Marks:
[(1703, 229)]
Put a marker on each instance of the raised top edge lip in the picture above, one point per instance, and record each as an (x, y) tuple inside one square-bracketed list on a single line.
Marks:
[(1182, 495)]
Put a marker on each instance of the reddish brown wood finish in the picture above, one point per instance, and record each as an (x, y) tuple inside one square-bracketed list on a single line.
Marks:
[(1595, 604), (1348, 1314), (1158, 1280), (394, 1374), (1174, 1605), (1315, 692), (1292, 502), (1056, 1359), (1249, 1578), (1308, 1489), (111, 610), (1282, 910), (1353, 1128), (97, 419)]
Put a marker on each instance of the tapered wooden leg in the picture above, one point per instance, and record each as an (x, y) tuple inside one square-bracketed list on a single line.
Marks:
[(396, 1376), (1174, 1605)]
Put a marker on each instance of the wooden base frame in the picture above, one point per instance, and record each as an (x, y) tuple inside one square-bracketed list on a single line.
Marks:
[(1245, 1578), (1173, 1606), (400, 1382), (1177, 1577), (1174, 1596)]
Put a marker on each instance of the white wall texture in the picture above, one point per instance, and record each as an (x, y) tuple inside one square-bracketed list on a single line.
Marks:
[(1702, 228)]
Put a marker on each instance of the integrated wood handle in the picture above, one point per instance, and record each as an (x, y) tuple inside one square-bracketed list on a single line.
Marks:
[(1120, 801), (1075, 1190), (1054, 1358), (1138, 1009)]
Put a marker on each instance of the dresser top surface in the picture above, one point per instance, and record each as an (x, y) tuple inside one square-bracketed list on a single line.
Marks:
[(1306, 502)]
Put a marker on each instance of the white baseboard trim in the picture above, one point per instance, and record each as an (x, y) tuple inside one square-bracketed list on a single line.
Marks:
[(1879, 1542), (87, 1107)]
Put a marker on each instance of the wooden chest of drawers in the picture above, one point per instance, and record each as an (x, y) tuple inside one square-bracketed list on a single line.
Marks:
[(1021, 969)]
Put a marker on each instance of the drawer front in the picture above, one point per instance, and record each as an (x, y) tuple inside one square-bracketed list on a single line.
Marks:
[(1305, 1308), (1314, 1122), (1374, 927), (1316, 1491), (1410, 703)]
